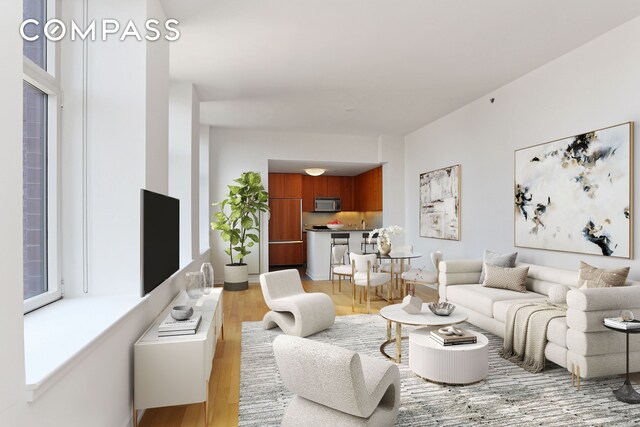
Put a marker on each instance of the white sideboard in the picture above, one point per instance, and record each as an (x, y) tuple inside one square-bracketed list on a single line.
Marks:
[(175, 370)]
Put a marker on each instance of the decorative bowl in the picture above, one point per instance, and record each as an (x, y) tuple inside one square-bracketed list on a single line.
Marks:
[(441, 308), (335, 226), (182, 312)]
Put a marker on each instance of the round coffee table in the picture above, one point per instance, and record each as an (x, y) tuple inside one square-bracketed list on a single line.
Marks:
[(395, 314), (448, 364)]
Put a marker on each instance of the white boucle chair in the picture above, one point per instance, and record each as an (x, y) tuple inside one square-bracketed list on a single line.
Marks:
[(334, 386), (293, 310)]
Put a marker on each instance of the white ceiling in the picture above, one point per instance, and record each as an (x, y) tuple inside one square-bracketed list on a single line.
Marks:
[(368, 67), (333, 168)]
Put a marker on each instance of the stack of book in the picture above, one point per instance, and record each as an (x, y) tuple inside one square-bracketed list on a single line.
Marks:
[(618, 323), (443, 339), (171, 327)]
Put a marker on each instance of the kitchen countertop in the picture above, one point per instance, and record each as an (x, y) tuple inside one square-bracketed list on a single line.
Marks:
[(328, 230)]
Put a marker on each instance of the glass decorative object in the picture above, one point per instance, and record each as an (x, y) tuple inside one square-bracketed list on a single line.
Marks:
[(195, 284), (207, 271)]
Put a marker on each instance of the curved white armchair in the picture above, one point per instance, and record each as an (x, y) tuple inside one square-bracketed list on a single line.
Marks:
[(334, 386), (293, 310)]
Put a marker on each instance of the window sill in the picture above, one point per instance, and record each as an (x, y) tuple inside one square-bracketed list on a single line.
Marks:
[(58, 336)]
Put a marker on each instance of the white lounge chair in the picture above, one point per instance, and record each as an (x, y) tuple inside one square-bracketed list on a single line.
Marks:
[(334, 386), (293, 310)]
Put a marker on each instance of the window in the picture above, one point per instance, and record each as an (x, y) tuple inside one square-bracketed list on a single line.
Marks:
[(41, 94)]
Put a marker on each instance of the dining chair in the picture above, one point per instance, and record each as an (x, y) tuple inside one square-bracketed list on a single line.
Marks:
[(338, 266), (423, 276), (365, 278), (398, 266)]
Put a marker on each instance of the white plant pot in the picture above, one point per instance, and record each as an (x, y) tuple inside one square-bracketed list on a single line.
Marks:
[(236, 277)]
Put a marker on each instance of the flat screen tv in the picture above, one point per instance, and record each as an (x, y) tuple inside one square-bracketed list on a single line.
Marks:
[(160, 229)]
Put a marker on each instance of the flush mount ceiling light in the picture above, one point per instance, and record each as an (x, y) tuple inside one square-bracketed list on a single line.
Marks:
[(315, 171)]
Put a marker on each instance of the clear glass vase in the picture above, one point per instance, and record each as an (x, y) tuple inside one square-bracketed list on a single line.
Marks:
[(207, 271), (195, 284)]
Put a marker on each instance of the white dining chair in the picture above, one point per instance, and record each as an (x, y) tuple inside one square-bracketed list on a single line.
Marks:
[(364, 276)]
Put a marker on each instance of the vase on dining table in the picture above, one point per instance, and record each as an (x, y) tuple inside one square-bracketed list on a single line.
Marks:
[(384, 248)]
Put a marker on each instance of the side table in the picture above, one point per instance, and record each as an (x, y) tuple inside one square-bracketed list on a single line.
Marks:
[(626, 393)]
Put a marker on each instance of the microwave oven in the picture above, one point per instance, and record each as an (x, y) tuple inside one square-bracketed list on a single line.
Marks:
[(327, 204)]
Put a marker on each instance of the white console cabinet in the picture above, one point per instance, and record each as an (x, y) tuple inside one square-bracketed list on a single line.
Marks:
[(175, 370)]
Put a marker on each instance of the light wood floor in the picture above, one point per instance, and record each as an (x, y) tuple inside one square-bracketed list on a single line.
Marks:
[(224, 385)]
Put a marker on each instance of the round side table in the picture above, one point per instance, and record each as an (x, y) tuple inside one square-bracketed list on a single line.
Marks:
[(626, 393), (448, 364)]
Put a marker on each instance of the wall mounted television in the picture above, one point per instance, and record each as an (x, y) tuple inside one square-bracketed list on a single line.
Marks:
[(160, 239)]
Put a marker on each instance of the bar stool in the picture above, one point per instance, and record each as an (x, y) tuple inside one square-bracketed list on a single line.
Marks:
[(338, 240), (365, 243)]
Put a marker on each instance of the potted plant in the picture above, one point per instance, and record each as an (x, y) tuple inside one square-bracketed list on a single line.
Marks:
[(238, 222)]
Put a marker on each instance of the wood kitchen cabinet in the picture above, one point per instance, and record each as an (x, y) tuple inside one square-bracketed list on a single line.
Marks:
[(320, 186), (285, 253), (308, 194), (333, 186), (346, 193), (304, 247), (284, 220), (368, 190), (285, 186)]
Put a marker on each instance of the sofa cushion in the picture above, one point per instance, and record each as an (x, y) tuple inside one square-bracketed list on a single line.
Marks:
[(540, 278), (592, 277), (512, 279), (500, 307), (501, 260), (558, 294), (557, 331), (481, 298)]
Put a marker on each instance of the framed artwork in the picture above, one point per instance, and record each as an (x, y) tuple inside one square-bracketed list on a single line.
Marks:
[(576, 194), (440, 203)]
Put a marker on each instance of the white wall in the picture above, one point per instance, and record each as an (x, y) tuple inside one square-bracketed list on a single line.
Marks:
[(205, 203), (592, 87), (237, 151), (184, 175), (12, 387), (391, 150)]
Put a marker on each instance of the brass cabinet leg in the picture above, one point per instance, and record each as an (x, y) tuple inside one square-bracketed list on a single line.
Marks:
[(206, 408), (135, 417), (398, 342)]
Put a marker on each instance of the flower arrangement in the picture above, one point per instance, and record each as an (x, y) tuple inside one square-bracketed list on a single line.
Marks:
[(384, 234)]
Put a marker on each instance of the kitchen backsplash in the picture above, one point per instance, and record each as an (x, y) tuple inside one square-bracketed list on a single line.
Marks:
[(350, 219)]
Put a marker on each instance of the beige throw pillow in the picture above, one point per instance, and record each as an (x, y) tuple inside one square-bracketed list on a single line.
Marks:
[(512, 279), (592, 277)]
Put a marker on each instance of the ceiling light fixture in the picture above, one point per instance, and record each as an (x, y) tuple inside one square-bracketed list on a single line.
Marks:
[(315, 171)]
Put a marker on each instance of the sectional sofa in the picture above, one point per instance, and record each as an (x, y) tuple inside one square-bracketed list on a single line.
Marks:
[(578, 341)]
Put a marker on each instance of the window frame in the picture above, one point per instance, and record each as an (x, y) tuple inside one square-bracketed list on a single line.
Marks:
[(48, 81)]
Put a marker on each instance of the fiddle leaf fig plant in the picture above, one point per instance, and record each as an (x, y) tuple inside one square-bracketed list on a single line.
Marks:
[(238, 218)]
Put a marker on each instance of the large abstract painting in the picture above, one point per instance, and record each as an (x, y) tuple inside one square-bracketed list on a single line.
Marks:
[(575, 194), (440, 203)]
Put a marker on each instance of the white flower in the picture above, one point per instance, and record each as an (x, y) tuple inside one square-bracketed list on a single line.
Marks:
[(384, 234)]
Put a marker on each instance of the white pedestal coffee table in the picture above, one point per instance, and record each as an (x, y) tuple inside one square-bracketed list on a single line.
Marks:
[(394, 314), (448, 364)]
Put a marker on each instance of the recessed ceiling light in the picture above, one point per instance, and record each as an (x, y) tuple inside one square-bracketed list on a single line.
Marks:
[(315, 171)]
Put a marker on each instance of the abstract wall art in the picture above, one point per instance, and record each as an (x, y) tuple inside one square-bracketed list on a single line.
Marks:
[(575, 194), (440, 203)]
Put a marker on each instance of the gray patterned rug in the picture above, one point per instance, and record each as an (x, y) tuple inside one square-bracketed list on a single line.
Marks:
[(509, 396)]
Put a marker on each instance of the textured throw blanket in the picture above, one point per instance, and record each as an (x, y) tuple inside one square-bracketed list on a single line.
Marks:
[(525, 335)]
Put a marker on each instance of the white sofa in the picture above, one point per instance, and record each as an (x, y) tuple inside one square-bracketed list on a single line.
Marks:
[(579, 340)]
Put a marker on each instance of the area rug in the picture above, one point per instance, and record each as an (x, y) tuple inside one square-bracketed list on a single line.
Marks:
[(509, 396)]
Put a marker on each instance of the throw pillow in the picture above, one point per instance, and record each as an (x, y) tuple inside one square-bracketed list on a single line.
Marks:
[(512, 279), (501, 260), (592, 277), (558, 294)]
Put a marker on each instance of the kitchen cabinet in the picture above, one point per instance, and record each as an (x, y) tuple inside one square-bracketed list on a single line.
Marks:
[(346, 193), (308, 194), (285, 186), (333, 186), (304, 247), (320, 188), (368, 190), (285, 253), (285, 220)]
